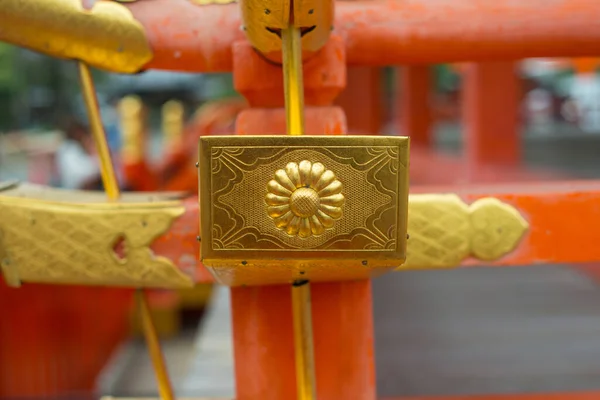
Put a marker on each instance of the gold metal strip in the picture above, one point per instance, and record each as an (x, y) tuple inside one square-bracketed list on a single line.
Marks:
[(294, 106)]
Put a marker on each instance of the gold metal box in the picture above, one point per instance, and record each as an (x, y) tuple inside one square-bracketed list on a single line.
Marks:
[(275, 209)]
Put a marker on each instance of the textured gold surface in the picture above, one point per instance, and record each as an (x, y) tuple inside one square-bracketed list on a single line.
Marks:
[(263, 21), (243, 244), (72, 243), (444, 230), (304, 199), (106, 37)]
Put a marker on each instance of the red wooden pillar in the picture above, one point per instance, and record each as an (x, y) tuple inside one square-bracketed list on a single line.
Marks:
[(414, 108), (262, 315), (362, 100), (490, 113)]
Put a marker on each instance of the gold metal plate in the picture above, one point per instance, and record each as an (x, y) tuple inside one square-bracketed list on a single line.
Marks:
[(281, 208), (106, 37), (444, 230), (45, 238)]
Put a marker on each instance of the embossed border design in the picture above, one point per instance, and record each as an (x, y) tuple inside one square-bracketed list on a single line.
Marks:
[(208, 146)]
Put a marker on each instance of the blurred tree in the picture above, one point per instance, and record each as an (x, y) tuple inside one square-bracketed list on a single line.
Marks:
[(11, 83)]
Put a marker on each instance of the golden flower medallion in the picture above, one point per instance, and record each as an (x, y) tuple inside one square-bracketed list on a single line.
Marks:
[(304, 199)]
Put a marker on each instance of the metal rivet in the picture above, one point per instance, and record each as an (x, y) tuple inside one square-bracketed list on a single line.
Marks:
[(311, 11), (244, 262), (364, 262), (197, 165), (407, 236), (267, 11), (198, 238)]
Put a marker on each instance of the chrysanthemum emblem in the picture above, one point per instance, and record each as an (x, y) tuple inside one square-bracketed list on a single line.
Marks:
[(304, 199)]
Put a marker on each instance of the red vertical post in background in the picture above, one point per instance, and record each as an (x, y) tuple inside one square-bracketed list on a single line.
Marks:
[(414, 104), (362, 100), (490, 114)]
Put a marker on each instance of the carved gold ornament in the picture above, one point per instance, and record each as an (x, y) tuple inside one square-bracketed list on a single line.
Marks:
[(304, 199), (271, 207), (444, 230), (106, 37), (45, 238)]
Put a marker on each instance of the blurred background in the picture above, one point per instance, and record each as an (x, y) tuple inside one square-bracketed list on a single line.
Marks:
[(437, 332)]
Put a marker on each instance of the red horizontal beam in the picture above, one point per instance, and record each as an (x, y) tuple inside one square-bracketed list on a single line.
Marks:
[(564, 219), (190, 37), (452, 169)]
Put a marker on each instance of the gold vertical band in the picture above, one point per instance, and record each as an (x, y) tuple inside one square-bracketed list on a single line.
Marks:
[(301, 306), (107, 171), (164, 385), (292, 80), (303, 341)]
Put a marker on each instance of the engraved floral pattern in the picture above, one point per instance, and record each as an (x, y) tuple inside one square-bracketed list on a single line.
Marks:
[(304, 199)]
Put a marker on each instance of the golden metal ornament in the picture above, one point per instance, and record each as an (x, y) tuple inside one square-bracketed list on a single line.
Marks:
[(444, 230), (133, 128), (304, 199), (173, 121), (106, 37), (247, 240), (264, 20), (48, 240)]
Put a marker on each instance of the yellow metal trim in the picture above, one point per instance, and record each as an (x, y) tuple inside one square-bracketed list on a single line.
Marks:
[(106, 37), (48, 241), (444, 230)]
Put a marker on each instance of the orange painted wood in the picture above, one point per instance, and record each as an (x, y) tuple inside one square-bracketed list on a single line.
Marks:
[(262, 316), (554, 210), (55, 340), (139, 177), (550, 396), (343, 341), (180, 244), (362, 100), (261, 81), (430, 167), (414, 104), (490, 109), (271, 121), (199, 38)]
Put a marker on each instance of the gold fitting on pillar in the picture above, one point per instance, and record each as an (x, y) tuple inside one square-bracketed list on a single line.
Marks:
[(263, 22), (276, 209)]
